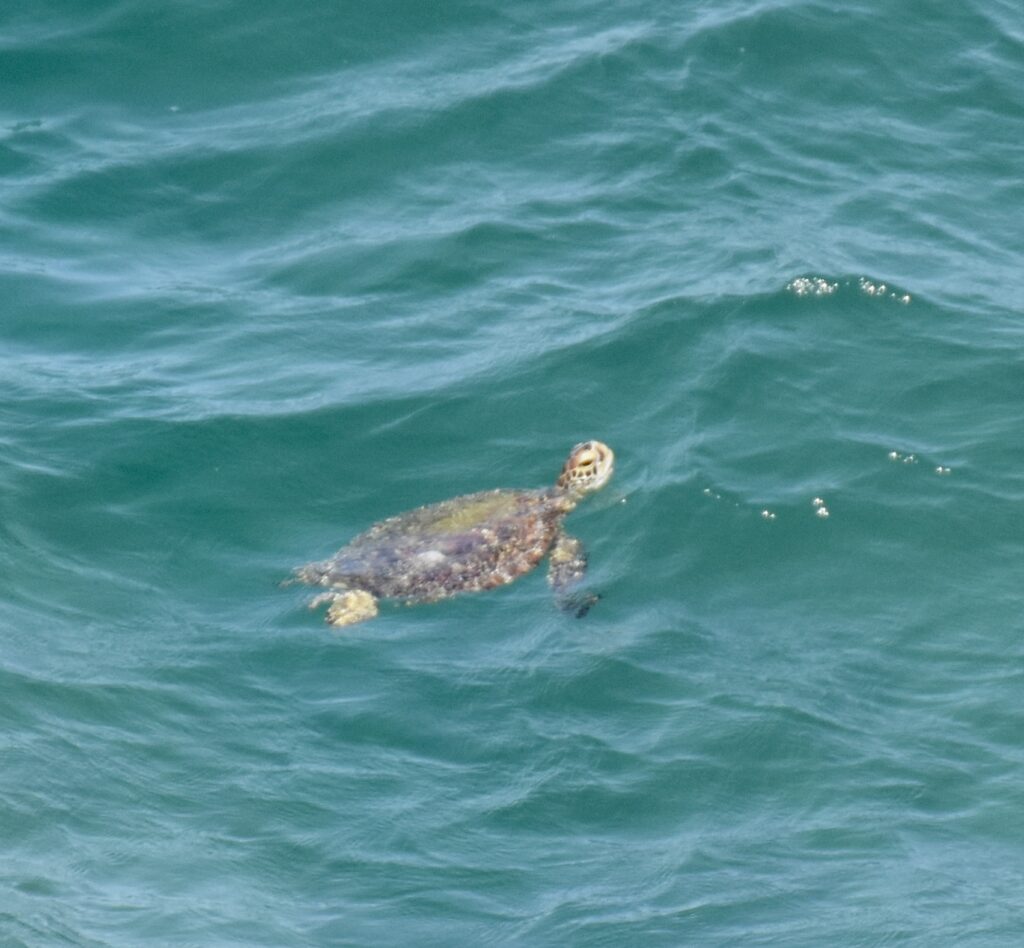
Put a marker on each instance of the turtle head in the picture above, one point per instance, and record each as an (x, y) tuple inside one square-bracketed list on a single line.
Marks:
[(588, 468)]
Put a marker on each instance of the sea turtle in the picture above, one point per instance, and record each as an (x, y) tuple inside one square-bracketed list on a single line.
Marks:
[(472, 542)]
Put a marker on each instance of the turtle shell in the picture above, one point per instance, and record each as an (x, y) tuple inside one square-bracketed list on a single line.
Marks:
[(473, 542)]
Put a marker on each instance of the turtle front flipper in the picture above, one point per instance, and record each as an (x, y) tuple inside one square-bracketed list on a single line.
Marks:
[(566, 569), (347, 607)]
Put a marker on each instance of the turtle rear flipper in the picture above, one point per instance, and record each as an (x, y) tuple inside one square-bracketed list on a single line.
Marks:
[(347, 607)]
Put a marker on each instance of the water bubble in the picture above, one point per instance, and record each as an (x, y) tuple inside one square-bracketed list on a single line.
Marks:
[(811, 286)]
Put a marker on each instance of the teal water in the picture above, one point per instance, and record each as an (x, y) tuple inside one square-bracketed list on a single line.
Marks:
[(272, 272)]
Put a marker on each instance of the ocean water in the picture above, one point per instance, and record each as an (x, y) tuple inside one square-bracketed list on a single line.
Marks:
[(270, 272)]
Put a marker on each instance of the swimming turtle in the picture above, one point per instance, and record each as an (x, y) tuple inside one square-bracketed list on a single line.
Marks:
[(472, 542)]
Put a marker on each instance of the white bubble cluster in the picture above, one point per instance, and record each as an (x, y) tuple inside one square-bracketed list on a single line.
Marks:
[(818, 504), (871, 288), (913, 459), (811, 286), (819, 286)]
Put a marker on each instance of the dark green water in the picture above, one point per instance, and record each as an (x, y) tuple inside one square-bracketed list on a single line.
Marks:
[(272, 273)]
